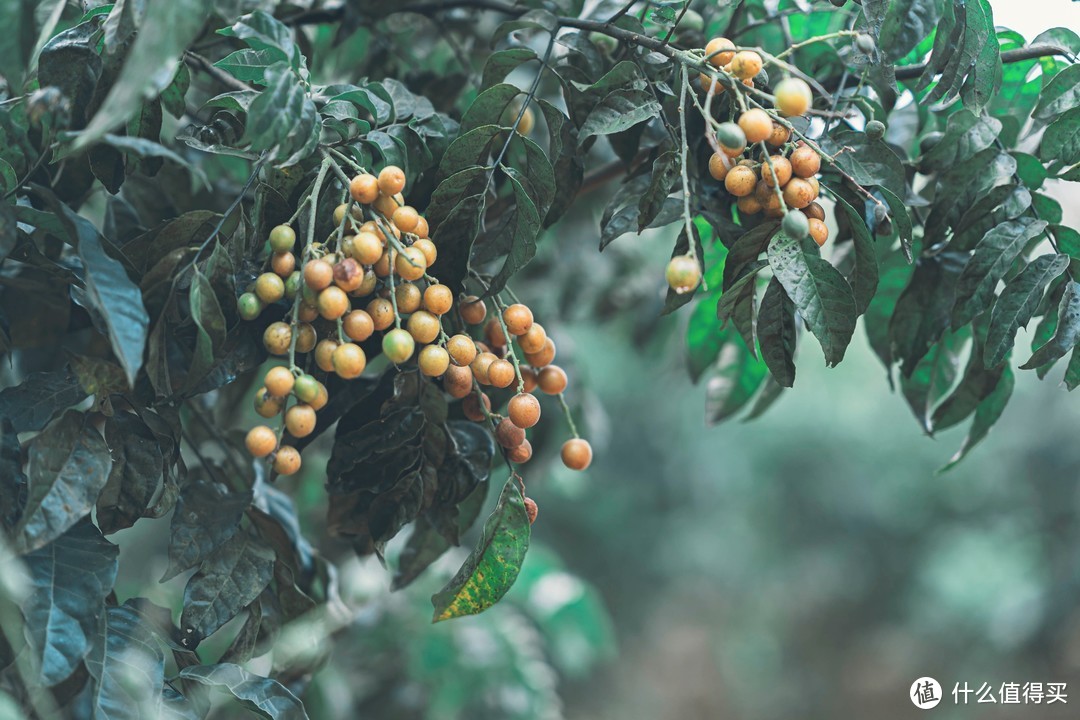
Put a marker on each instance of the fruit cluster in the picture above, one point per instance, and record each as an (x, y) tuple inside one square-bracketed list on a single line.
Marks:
[(372, 276), (755, 157)]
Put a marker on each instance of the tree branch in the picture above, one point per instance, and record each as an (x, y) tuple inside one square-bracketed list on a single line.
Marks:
[(203, 65), (1028, 52)]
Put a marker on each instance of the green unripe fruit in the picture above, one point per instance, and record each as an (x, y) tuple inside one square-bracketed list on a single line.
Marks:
[(796, 225), (249, 306), (282, 238), (398, 345), (731, 136), (683, 274), (306, 388), (875, 129), (293, 284)]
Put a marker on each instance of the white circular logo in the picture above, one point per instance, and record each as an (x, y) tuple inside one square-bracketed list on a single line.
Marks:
[(925, 693)]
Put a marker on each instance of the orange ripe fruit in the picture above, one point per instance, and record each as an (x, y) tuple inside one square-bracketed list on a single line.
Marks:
[(300, 420), (480, 365), (431, 253), (367, 248), (287, 460), (709, 84), (269, 288), (349, 360), (324, 354), (385, 205), (382, 265), (501, 373), (358, 325), (423, 326), (391, 180), (793, 96), (422, 229), (508, 434), (814, 211), (534, 338), (720, 51), (805, 162), (522, 454), (552, 380), (260, 441), (462, 349), (276, 338), (321, 398), (740, 181), (458, 381), (348, 275), (528, 379), (470, 406), (494, 334), (781, 167), (718, 166), (279, 381), (411, 264), (757, 125), (305, 338), (333, 303), (577, 454), (433, 360), (408, 298), (283, 263), (749, 205), (472, 309), (819, 231), (798, 193), (318, 274), (438, 299), (364, 188), (381, 311), (531, 510), (518, 319), (406, 218), (524, 410), (746, 64), (266, 405), (544, 357), (779, 135)]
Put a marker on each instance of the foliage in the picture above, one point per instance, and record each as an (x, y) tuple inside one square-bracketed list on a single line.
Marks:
[(148, 148)]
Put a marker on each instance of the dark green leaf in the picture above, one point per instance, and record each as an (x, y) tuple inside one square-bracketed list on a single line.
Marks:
[(494, 563), (820, 293), (665, 172), (263, 696), (127, 665), (262, 31), (901, 221), (993, 257), (489, 108), (1061, 141), (864, 278), (501, 63), (986, 414), (32, 404), (136, 472), (966, 135), (961, 186), (620, 110), (924, 308), (1017, 304), (470, 149), (1067, 333), (906, 24), (248, 65), (869, 162), (206, 517), (776, 333), (933, 376), (226, 583), (737, 376), (1061, 94)]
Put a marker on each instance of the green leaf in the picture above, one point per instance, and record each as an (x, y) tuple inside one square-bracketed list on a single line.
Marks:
[(1017, 304), (665, 173), (924, 308), (966, 135), (993, 257), (961, 186), (906, 24), (933, 375), (69, 580), (623, 212), (127, 665), (777, 334), (262, 31), (263, 696), (737, 376), (494, 563), (1061, 141), (32, 404), (12, 478), (226, 583), (470, 149), (520, 227), (620, 110), (901, 220), (282, 120), (869, 162), (1004, 202), (206, 517), (501, 63), (167, 29), (1067, 333), (489, 107), (210, 322), (864, 278), (136, 472), (986, 414), (1061, 94), (18, 17), (1030, 170), (820, 293), (733, 296), (69, 465), (248, 65)]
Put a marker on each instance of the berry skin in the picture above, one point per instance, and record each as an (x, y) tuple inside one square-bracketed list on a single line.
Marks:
[(708, 84), (740, 181), (528, 379), (731, 138), (865, 43), (819, 231), (796, 225), (749, 205), (793, 97), (756, 125), (814, 211), (683, 274), (385, 205), (552, 380), (333, 303), (720, 51), (367, 285), (349, 360), (718, 166), (781, 167), (364, 188), (533, 340), (509, 435), (391, 180), (324, 354), (521, 454), (381, 311), (470, 406), (269, 288), (249, 306), (544, 357), (798, 193), (287, 460), (358, 325), (423, 326), (425, 246), (408, 298), (518, 319), (321, 398), (300, 420), (458, 381), (276, 338), (473, 310), (282, 238), (462, 349), (433, 360), (260, 441), (367, 248), (494, 334), (398, 346), (501, 373), (577, 454), (524, 410), (305, 338), (875, 129), (480, 366), (422, 228), (266, 405), (746, 64), (779, 135), (279, 381), (405, 218), (306, 388), (531, 511), (438, 299), (318, 274), (348, 275), (411, 263), (283, 264), (805, 162)]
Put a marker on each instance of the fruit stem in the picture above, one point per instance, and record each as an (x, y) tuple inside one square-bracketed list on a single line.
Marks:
[(491, 420), (819, 38), (499, 308), (691, 251), (348, 160), (776, 180), (568, 414)]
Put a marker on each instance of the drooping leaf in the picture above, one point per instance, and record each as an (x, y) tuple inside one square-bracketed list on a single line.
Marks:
[(33, 403), (619, 110), (1017, 304), (136, 472), (777, 333), (736, 377), (966, 135), (924, 308), (993, 257), (127, 667), (933, 376), (986, 415), (1060, 95), (263, 696), (494, 563), (869, 162), (521, 226), (864, 278), (962, 185), (1067, 333), (207, 516), (906, 24), (1061, 141), (820, 293), (70, 578)]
